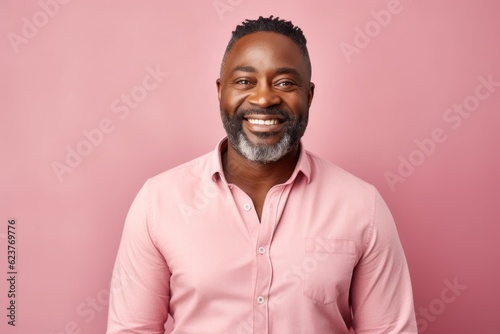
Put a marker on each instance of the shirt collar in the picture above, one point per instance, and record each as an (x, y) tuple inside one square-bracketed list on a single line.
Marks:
[(217, 173)]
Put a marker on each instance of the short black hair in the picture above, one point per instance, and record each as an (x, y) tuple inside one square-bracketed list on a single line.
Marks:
[(272, 24)]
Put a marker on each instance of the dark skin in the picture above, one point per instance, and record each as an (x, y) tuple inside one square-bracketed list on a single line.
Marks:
[(263, 69)]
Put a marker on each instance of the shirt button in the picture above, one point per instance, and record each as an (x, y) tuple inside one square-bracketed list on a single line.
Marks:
[(260, 299), (247, 207), (262, 250)]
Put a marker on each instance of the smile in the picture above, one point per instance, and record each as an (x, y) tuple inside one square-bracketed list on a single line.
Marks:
[(262, 121)]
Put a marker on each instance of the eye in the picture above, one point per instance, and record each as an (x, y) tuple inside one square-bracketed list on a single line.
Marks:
[(285, 84), (243, 82)]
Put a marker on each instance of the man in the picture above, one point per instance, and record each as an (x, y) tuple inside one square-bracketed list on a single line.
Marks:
[(261, 236)]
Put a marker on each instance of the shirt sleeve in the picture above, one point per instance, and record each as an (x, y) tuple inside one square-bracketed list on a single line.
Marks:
[(139, 293), (381, 293)]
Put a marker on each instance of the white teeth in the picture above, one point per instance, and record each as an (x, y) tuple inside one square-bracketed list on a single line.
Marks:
[(263, 122)]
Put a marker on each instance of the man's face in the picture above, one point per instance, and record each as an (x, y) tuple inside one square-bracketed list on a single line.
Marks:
[(264, 95)]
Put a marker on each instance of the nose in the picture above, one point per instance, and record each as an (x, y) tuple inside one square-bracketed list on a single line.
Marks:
[(264, 96)]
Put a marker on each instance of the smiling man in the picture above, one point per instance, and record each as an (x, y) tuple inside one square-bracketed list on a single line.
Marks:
[(284, 242)]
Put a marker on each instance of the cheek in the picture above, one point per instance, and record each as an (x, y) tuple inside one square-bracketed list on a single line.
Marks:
[(233, 100), (298, 104)]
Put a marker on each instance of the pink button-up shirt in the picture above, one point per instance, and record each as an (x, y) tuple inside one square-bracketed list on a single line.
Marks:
[(325, 257)]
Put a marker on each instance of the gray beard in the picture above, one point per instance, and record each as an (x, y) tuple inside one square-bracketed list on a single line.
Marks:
[(263, 154)]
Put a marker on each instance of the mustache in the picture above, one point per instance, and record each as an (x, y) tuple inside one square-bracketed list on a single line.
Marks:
[(242, 113)]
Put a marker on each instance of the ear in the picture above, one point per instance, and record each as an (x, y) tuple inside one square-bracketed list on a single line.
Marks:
[(310, 93), (219, 84)]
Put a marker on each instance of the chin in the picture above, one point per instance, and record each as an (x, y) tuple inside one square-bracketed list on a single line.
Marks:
[(263, 153)]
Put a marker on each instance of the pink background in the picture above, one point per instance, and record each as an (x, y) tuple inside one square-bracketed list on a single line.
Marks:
[(68, 74)]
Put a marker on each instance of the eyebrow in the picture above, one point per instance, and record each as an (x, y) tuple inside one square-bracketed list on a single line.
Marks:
[(287, 70), (249, 69), (280, 70)]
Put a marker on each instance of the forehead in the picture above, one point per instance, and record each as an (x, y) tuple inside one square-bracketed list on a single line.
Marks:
[(266, 50)]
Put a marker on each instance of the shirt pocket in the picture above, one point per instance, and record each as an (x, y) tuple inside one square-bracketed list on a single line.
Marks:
[(328, 264)]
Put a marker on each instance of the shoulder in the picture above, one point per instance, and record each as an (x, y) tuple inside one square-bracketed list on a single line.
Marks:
[(185, 174), (330, 175)]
